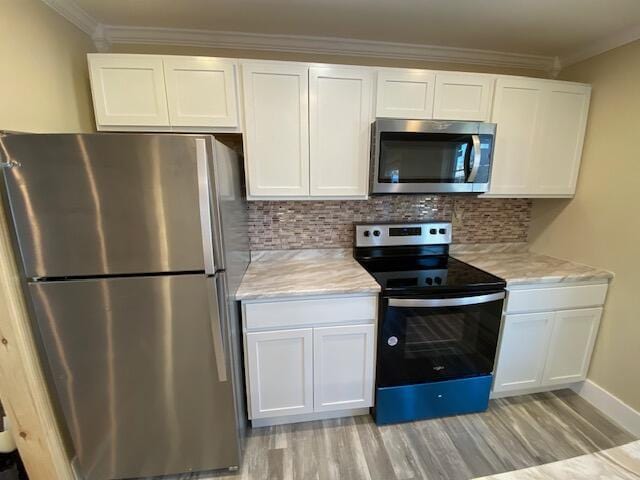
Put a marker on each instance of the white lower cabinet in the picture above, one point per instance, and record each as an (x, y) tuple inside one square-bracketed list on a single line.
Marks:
[(572, 340), (550, 349), (280, 371), (294, 368), (522, 355), (343, 367)]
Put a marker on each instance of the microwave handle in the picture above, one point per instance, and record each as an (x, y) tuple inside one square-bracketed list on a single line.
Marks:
[(477, 157), (445, 302)]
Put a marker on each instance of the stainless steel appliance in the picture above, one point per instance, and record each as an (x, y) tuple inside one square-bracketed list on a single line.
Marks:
[(132, 248), (431, 156), (438, 323)]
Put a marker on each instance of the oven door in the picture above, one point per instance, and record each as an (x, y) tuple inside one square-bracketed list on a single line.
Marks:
[(431, 156), (428, 339)]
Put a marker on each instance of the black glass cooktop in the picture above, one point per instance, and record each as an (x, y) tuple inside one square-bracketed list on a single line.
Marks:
[(438, 273)]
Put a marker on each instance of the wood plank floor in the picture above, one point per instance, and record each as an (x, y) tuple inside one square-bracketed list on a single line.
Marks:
[(514, 433)]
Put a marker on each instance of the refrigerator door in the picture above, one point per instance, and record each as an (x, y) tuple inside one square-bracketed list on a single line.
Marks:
[(135, 365), (230, 214), (99, 204)]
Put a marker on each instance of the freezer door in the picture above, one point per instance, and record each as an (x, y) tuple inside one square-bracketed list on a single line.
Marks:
[(97, 204), (136, 373)]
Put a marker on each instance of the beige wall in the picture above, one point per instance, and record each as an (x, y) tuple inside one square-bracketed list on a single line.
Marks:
[(601, 225), (44, 85), (314, 57)]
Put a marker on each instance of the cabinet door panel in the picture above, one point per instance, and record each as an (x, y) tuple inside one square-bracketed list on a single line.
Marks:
[(405, 93), (276, 128), (560, 138), (571, 345), (280, 372), (461, 96), (201, 91), (128, 90), (340, 125), (516, 110), (523, 350), (343, 367)]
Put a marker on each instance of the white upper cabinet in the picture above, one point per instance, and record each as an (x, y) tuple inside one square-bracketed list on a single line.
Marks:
[(517, 106), (163, 93), (201, 91), (276, 128), (405, 93), (561, 135), (340, 112), (462, 96), (541, 126), (128, 90)]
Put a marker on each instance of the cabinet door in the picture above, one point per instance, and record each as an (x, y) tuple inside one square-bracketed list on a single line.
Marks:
[(343, 367), (560, 138), (523, 350), (462, 96), (574, 334), (128, 90), (405, 93), (280, 372), (276, 128), (517, 109), (201, 91), (340, 125)]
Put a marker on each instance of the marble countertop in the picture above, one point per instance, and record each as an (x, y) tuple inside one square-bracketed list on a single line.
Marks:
[(523, 267), (619, 463), (293, 273)]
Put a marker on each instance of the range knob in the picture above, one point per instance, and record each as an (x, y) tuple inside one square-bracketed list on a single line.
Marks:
[(366, 233), (433, 231), (429, 281), (438, 280), (442, 231), (376, 233)]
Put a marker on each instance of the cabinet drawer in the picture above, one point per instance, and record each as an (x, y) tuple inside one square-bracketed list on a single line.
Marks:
[(556, 298), (290, 313)]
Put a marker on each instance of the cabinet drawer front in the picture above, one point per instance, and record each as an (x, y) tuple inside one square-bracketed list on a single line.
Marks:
[(556, 298), (292, 313)]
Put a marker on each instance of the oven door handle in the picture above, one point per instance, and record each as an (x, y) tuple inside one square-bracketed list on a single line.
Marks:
[(445, 302), (477, 158)]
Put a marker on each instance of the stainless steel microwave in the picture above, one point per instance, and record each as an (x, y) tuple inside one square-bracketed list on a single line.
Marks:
[(431, 156)]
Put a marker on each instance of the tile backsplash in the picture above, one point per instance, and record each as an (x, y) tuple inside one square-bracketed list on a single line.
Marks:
[(282, 225)]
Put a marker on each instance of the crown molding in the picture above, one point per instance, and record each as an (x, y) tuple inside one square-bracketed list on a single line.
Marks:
[(75, 14), (601, 46), (104, 36), (323, 45)]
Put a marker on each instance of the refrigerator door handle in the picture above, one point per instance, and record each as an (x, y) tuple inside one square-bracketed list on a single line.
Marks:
[(204, 199), (217, 315)]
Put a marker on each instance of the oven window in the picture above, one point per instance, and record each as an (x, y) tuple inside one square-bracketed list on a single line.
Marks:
[(423, 157), (420, 344)]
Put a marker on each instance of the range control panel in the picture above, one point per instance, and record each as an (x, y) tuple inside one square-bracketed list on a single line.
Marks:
[(395, 234)]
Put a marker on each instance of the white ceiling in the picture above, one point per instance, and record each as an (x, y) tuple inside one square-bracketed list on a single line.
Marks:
[(548, 28)]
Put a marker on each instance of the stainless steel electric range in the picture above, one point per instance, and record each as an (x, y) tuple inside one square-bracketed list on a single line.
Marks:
[(438, 326)]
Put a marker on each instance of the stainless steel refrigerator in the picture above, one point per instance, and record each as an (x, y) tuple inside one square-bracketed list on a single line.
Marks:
[(132, 247)]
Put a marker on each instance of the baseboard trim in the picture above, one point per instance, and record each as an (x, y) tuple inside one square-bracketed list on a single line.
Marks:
[(610, 405), (308, 417)]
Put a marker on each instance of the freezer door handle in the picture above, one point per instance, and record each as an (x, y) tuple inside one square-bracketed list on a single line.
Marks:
[(204, 199), (217, 315)]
